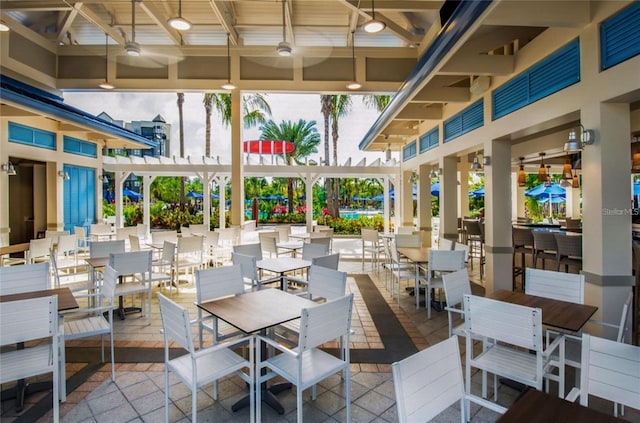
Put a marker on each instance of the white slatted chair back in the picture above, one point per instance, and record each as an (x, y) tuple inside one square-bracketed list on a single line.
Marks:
[(309, 250), (511, 323), (445, 244), (98, 229), (27, 320), (25, 278), (330, 261), (268, 242), (428, 382), (369, 235), (158, 237), (326, 283), (219, 282), (134, 243), (66, 245), (555, 285), (325, 322), (104, 248), (81, 236), (212, 239), (445, 261), (55, 235), (462, 247), (175, 323), (168, 253), (124, 232), (39, 250), (610, 370), (321, 240), (185, 231), (229, 236), (190, 245), (283, 232), (254, 250), (133, 262), (199, 229), (405, 230), (248, 266), (142, 230), (456, 286), (408, 240)]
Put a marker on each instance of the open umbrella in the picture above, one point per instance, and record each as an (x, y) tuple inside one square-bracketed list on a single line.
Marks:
[(131, 194), (477, 193), (194, 195)]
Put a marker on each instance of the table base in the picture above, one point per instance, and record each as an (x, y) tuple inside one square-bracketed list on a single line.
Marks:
[(268, 396), (23, 389)]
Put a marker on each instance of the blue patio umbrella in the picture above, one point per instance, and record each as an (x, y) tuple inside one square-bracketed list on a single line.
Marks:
[(194, 195), (357, 198), (215, 196), (554, 200), (477, 193), (542, 189), (636, 188), (379, 197), (131, 194)]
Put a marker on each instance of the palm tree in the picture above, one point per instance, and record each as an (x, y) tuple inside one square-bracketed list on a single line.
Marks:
[(340, 106), (255, 110), (326, 102), (377, 102), (180, 102), (302, 134)]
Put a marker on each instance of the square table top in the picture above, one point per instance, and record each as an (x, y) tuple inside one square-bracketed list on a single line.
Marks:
[(537, 406), (291, 245), (282, 264), (258, 310), (415, 254), (96, 262), (66, 300), (556, 313)]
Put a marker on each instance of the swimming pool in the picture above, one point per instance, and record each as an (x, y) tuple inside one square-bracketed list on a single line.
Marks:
[(354, 214)]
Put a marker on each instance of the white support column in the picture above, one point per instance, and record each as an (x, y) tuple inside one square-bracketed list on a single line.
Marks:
[(120, 177), (386, 203), (222, 200), (309, 181), (404, 195), (498, 250), (463, 188), (449, 198), (237, 167), (424, 202), (517, 198), (146, 202), (206, 198)]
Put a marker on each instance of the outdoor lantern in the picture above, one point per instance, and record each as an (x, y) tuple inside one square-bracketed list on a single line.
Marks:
[(566, 169), (522, 176), (374, 25), (542, 171), (587, 137)]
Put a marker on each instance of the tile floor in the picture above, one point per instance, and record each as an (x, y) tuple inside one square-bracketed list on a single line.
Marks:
[(137, 394)]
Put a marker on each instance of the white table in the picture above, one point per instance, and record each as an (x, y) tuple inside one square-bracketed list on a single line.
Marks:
[(282, 265)]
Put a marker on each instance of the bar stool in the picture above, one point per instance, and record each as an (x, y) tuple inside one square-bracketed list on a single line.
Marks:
[(544, 247), (522, 244), (569, 251), (474, 231)]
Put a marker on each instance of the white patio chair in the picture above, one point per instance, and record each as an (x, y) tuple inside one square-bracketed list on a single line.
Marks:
[(610, 370), (440, 261), (201, 367), (372, 245), (283, 232), (185, 231), (269, 244), (136, 266), (456, 285), (513, 346), (458, 246), (75, 281), (211, 254), (309, 250), (408, 240), (248, 265), (90, 322), (100, 231), (99, 249), (445, 244), (65, 253), (39, 250), (306, 365), (31, 320), (189, 255), (330, 261), (158, 237), (162, 268), (54, 235), (254, 250), (82, 247), (430, 381), (399, 270), (124, 233), (25, 278)]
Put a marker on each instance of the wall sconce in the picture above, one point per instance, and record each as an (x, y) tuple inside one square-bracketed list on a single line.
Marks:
[(9, 168), (435, 173), (587, 137), (103, 178), (486, 160), (522, 176), (64, 175), (475, 165), (542, 171), (413, 178)]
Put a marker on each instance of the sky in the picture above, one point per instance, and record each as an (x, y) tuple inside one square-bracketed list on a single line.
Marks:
[(145, 106)]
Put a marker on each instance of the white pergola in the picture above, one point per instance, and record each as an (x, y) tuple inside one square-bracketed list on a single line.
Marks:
[(210, 170)]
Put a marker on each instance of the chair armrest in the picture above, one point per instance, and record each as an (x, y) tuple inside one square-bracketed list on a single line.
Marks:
[(573, 395), (277, 345), (553, 346), (225, 345), (605, 324), (454, 310)]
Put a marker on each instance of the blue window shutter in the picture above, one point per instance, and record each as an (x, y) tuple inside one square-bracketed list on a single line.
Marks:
[(429, 140), (22, 134), (620, 37), (79, 196), (465, 121), (409, 151)]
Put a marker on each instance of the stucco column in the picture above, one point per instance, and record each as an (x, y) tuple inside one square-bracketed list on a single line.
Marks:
[(497, 206), (237, 173), (405, 196), (606, 188), (55, 184), (386, 203), (517, 198), (146, 202), (4, 182), (449, 198), (463, 188), (424, 202)]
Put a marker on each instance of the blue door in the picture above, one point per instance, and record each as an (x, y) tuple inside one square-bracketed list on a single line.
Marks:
[(79, 197)]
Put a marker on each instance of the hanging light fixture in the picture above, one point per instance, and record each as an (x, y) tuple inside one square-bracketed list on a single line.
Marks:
[(178, 22), (228, 85), (374, 25), (547, 182), (475, 165), (354, 84), (566, 169), (131, 47), (106, 85), (3, 26), (284, 48), (522, 176), (575, 182), (542, 171)]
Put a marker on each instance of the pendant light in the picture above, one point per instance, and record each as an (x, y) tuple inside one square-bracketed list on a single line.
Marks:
[(542, 171), (228, 85), (105, 85), (131, 47), (3, 26), (284, 48), (566, 169), (178, 22), (354, 84), (522, 176), (547, 182), (575, 182), (475, 165), (373, 26)]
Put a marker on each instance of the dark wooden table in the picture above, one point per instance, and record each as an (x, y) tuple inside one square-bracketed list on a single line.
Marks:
[(66, 300), (15, 248), (418, 255), (559, 314), (539, 407), (255, 312)]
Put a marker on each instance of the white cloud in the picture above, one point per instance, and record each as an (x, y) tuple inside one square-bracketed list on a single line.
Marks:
[(145, 106)]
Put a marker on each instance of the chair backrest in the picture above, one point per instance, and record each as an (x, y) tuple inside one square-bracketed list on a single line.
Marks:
[(283, 232), (369, 235), (134, 243), (473, 228), (199, 229), (99, 229), (544, 240), (456, 286), (67, 244), (212, 239), (168, 252), (325, 322), (25, 278), (458, 246), (229, 236), (159, 237), (124, 232), (131, 263), (573, 223), (189, 245), (326, 283), (219, 282), (254, 250), (175, 323), (104, 248), (143, 230), (26, 320), (54, 235), (610, 370), (428, 382), (511, 323), (185, 231), (625, 329), (80, 234), (405, 230), (446, 261), (330, 261), (268, 241), (408, 240), (39, 248), (109, 282), (247, 265), (555, 285), (569, 245), (522, 237), (445, 244), (309, 250), (323, 240)]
